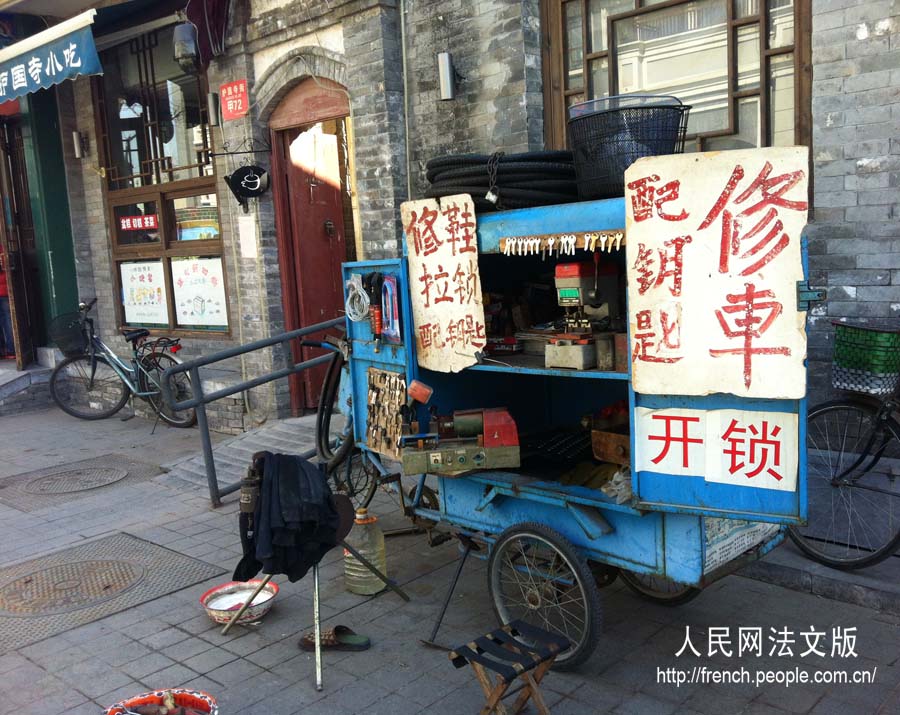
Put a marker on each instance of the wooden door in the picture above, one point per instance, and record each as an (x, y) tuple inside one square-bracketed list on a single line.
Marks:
[(314, 223), (17, 235), (307, 159)]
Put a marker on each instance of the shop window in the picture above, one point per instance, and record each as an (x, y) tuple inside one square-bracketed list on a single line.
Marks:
[(168, 256), (736, 62), (153, 116), (161, 188)]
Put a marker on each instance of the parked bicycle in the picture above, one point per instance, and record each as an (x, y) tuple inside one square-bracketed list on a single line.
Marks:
[(93, 382), (853, 455)]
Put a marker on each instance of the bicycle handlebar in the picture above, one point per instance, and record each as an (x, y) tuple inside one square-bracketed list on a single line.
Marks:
[(86, 307)]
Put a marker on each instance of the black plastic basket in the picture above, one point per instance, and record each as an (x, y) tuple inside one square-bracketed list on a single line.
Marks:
[(608, 135), (67, 333)]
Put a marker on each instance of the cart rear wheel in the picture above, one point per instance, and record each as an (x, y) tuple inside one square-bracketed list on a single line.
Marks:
[(658, 589), (536, 575)]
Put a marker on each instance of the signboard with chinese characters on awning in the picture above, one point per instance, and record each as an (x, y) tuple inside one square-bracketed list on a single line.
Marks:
[(714, 256), (714, 259), (445, 286), (61, 52)]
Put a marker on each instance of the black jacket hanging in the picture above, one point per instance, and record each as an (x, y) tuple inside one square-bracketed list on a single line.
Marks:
[(295, 522)]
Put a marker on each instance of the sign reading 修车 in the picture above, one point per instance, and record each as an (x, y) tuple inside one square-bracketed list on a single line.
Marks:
[(714, 258)]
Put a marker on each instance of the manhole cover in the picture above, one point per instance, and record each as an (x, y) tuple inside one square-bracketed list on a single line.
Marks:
[(68, 587), (75, 480), (59, 485)]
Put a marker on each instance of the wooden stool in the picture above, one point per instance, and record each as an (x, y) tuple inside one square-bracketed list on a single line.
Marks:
[(500, 652)]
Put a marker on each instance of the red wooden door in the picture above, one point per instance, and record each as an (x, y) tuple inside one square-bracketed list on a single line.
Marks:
[(315, 224)]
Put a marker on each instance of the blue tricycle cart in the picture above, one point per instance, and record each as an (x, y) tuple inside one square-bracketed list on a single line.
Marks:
[(554, 531)]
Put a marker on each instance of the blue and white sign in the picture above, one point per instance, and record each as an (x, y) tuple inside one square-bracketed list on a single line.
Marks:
[(48, 58)]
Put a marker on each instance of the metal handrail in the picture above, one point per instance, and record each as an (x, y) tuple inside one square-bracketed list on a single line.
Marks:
[(200, 400)]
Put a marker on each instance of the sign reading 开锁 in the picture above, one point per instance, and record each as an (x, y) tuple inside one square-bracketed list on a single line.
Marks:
[(39, 66)]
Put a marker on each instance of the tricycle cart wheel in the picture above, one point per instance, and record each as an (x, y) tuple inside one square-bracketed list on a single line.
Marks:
[(536, 575), (658, 589)]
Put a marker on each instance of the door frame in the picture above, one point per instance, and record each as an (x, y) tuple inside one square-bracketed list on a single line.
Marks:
[(14, 261), (312, 100)]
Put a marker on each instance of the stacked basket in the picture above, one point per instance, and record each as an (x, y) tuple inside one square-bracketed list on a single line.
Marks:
[(608, 135), (866, 359)]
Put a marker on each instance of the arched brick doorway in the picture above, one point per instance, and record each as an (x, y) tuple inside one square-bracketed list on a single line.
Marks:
[(311, 177)]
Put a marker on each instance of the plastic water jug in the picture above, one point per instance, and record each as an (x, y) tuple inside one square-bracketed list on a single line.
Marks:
[(368, 539)]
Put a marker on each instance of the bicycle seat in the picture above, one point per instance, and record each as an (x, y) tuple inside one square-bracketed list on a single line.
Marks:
[(134, 335)]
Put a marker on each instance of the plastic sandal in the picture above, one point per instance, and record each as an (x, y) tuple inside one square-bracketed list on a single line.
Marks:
[(337, 638)]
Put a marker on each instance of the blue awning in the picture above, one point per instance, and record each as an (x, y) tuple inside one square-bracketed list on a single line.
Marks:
[(61, 52)]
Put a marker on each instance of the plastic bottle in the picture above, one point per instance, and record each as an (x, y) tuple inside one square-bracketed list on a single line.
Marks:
[(368, 539)]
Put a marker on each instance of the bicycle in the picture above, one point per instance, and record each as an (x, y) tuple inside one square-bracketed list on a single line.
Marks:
[(853, 455), (93, 382)]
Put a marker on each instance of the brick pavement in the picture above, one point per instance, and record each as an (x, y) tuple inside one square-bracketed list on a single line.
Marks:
[(259, 670)]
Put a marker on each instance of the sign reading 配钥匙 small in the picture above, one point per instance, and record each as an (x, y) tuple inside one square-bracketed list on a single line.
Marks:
[(445, 287), (713, 257)]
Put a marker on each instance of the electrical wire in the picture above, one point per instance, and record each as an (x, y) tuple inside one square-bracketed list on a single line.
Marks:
[(357, 299)]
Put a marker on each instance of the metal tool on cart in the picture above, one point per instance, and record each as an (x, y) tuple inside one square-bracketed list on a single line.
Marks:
[(579, 285), (467, 439)]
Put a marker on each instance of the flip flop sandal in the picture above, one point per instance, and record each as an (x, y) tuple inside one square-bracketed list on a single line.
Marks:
[(337, 638)]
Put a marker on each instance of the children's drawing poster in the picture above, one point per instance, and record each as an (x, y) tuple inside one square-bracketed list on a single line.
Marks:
[(199, 288), (144, 293)]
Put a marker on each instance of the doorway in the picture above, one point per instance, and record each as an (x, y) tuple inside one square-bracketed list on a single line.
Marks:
[(17, 240), (314, 220)]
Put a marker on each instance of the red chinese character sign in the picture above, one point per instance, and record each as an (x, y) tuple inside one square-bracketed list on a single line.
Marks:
[(444, 283), (738, 447), (234, 100), (713, 257)]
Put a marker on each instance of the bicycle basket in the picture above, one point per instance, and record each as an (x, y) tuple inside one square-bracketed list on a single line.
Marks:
[(866, 359), (608, 135), (67, 333)]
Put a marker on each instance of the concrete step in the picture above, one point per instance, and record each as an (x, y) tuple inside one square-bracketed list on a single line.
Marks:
[(875, 587), (15, 381), (49, 357)]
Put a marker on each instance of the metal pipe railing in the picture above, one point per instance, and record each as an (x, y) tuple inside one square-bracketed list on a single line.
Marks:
[(200, 400)]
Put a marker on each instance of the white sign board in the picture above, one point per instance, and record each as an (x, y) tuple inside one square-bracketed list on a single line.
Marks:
[(736, 447), (144, 293), (445, 286), (199, 288), (713, 256)]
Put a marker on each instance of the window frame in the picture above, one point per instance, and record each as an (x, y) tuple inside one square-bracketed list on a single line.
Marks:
[(555, 94), (161, 191), (165, 250)]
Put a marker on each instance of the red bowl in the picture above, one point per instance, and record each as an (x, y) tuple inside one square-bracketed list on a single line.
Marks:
[(188, 698)]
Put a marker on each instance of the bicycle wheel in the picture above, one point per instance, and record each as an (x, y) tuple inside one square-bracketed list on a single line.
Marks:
[(536, 575), (357, 478), (156, 364), (853, 496), (88, 388), (333, 444), (658, 589)]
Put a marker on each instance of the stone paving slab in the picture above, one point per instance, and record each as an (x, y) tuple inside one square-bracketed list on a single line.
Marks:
[(61, 484), (84, 583), (258, 670)]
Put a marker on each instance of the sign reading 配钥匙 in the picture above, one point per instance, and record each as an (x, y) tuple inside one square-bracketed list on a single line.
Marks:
[(445, 286), (713, 257)]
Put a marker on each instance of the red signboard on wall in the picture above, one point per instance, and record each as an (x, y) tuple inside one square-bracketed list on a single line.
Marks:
[(234, 99), (138, 223)]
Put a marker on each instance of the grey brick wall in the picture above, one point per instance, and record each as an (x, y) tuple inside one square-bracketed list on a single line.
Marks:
[(855, 234), (496, 50)]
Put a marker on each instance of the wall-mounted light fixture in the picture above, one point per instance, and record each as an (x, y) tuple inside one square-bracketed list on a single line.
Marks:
[(79, 144), (187, 49), (446, 76)]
